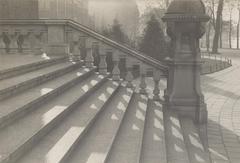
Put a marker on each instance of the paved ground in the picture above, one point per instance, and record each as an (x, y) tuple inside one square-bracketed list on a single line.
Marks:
[(222, 95), (13, 60)]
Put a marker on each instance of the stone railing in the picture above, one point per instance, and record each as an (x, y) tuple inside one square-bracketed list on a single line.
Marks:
[(66, 37)]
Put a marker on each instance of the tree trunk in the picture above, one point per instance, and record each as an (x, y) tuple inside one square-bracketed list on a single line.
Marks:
[(208, 37), (230, 33), (230, 28), (218, 26), (221, 32), (167, 3), (238, 26)]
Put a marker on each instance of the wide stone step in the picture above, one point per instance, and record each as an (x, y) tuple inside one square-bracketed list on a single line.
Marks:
[(23, 103), (154, 147), (128, 144), (12, 86), (21, 136), (98, 142), (175, 145), (196, 151), (58, 144), (15, 71)]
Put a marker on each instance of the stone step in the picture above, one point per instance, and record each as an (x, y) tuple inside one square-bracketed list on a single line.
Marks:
[(59, 144), (154, 147), (25, 102), (196, 152), (19, 137), (19, 70), (97, 143), (175, 145), (12, 86), (128, 144)]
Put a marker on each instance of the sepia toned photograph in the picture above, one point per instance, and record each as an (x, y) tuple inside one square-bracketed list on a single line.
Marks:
[(119, 81)]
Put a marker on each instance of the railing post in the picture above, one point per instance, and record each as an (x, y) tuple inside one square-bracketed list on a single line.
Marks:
[(129, 75), (102, 62), (89, 57), (76, 51), (143, 84), (116, 70), (37, 41), (156, 91)]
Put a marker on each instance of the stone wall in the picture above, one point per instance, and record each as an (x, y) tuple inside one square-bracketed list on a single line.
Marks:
[(19, 9), (46, 9), (65, 9)]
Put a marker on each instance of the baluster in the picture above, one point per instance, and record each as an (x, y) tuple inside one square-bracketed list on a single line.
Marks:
[(102, 62), (6, 41), (129, 75), (26, 43), (76, 52), (89, 57), (143, 84), (156, 91), (116, 70), (13, 41), (2, 46)]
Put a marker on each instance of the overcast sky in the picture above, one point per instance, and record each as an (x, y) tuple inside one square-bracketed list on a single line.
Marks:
[(142, 4)]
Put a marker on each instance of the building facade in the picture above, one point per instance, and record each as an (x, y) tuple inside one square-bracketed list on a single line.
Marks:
[(46, 9), (19, 9)]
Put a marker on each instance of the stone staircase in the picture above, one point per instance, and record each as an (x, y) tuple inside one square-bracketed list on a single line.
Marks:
[(56, 111)]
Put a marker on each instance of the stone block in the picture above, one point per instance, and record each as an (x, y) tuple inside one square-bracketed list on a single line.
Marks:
[(57, 49)]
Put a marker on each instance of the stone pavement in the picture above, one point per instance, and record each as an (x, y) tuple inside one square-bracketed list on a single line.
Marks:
[(13, 60), (222, 95)]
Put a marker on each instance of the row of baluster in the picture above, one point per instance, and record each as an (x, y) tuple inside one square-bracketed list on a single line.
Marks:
[(102, 66), (20, 41)]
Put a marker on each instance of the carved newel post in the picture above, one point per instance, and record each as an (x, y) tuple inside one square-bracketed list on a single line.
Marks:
[(185, 25)]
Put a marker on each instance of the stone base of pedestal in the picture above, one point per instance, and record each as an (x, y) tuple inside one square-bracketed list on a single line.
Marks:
[(198, 113), (57, 49)]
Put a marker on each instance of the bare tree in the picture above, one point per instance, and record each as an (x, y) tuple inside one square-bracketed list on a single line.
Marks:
[(210, 9), (230, 4), (218, 26), (238, 24), (221, 33), (167, 3)]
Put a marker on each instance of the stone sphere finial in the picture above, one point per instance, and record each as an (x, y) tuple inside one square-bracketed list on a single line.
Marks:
[(186, 7), (186, 10)]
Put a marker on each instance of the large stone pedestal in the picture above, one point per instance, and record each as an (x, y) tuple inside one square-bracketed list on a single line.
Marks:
[(185, 28)]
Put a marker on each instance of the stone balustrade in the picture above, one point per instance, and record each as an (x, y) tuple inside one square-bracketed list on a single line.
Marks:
[(66, 37), (129, 63)]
